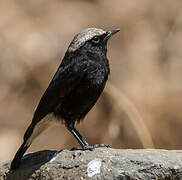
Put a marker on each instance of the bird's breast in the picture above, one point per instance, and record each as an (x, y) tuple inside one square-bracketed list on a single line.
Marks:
[(84, 96), (97, 75)]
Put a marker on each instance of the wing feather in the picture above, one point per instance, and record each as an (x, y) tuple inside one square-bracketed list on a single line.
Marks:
[(64, 81)]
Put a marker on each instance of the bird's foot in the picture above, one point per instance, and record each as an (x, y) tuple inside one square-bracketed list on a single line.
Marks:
[(102, 145), (90, 148)]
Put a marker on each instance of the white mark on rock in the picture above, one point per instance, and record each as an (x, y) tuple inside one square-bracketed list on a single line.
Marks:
[(93, 167)]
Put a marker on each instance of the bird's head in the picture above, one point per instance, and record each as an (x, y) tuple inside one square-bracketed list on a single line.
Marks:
[(91, 41)]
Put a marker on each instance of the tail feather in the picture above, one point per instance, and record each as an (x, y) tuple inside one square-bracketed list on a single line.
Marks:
[(18, 156), (17, 159), (31, 133)]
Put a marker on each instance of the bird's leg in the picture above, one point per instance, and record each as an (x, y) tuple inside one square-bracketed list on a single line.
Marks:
[(79, 138), (82, 141), (84, 144)]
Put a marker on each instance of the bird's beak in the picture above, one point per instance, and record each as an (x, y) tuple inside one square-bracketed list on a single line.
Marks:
[(110, 33)]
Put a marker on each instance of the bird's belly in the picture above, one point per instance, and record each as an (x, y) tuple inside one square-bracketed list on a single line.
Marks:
[(80, 101)]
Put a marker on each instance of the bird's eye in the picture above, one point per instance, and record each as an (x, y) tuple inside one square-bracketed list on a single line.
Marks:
[(96, 40)]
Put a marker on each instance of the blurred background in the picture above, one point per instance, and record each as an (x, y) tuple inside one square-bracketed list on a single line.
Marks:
[(141, 106)]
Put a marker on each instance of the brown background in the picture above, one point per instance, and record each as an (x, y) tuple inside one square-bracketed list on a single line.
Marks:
[(142, 103)]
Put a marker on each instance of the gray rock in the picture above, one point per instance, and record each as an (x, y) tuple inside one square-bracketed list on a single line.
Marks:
[(101, 163)]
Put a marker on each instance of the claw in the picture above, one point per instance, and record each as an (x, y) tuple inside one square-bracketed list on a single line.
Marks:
[(90, 148)]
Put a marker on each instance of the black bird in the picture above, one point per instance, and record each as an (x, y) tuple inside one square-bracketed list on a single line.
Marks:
[(74, 89)]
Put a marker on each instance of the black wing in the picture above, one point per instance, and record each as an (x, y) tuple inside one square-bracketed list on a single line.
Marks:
[(64, 81)]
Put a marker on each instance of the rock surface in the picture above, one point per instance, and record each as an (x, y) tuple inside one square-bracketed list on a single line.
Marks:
[(101, 163)]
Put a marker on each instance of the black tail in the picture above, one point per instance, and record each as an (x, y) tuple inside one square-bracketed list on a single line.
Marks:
[(17, 159), (18, 156)]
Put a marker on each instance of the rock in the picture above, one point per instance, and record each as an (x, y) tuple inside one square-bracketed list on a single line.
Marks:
[(101, 163)]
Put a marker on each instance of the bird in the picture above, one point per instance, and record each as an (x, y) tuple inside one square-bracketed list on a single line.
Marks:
[(74, 89)]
